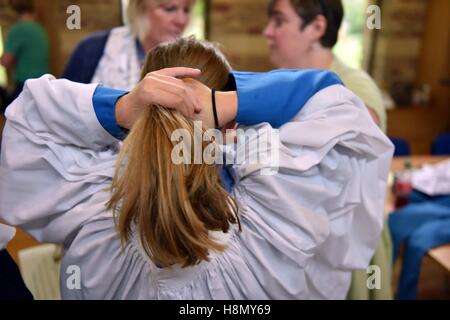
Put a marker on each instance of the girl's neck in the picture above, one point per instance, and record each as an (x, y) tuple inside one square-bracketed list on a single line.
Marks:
[(317, 57)]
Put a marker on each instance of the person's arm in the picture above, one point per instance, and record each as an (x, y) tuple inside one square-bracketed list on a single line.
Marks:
[(6, 235), (8, 61), (367, 90), (274, 97), (12, 286)]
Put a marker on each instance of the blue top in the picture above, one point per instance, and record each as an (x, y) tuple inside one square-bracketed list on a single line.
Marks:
[(274, 97), (85, 58)]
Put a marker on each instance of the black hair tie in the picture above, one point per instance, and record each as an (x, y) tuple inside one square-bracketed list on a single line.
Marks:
[(214, 108)]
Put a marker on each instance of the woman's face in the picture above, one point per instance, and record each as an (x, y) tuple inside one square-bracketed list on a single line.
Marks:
[(168, 20), (286, 41)]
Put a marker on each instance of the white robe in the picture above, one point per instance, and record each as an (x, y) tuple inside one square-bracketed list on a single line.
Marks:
[(304, 229), (119, 65)]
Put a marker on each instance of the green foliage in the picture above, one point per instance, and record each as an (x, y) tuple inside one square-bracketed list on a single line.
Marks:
[(197, 25), (350, 45)]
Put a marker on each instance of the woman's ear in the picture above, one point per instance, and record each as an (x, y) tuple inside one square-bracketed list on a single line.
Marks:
[(317, 28)]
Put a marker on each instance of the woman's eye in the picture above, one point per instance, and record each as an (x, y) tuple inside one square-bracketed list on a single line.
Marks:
[(278, 21)]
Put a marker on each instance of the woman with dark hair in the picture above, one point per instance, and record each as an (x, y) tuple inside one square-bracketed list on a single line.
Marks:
[(301, 35)]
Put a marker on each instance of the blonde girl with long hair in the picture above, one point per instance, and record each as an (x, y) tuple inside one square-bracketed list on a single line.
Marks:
[(115, 57), (139, 226)]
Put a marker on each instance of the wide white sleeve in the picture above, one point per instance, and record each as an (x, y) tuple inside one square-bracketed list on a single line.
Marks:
[(325, 201), (56, 160), (6, 235), (433, 180)]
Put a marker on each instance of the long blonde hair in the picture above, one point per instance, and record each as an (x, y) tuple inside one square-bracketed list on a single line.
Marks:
[(139, 23), (174, 207)]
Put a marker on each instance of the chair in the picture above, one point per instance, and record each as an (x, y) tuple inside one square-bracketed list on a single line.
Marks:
[(441, 145), (402, 148), (40, 271)]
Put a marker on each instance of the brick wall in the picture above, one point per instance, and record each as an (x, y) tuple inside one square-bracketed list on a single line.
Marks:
[(96, 15)]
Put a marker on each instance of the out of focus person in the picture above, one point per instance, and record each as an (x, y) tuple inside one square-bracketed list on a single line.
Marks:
[(301, 35), (115, 57), (159, 229), (26, 53)]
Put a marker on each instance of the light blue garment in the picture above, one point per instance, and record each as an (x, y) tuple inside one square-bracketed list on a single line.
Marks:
[(305, 228), (274, 97)]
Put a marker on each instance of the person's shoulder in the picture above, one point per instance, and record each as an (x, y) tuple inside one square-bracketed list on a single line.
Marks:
[(317, 79)]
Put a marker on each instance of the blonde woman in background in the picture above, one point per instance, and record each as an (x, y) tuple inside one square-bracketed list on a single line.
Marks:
[(140, 226), (115, 57)]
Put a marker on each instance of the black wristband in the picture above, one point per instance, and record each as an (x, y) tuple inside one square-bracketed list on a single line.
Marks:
[(214, 108)]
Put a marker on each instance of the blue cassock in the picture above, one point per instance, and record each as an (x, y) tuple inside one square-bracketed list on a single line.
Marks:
[(289, 92), (422, 225)]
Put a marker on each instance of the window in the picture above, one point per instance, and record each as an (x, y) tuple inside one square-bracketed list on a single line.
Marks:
[(351, 36), (196, 26)]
